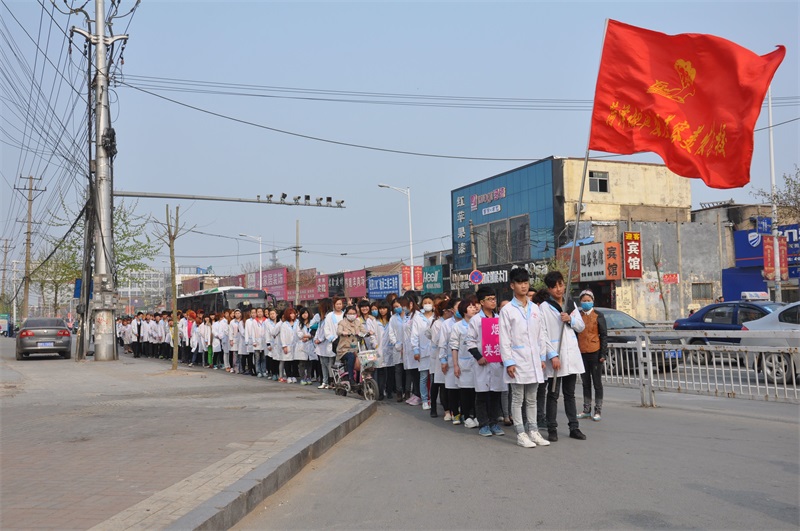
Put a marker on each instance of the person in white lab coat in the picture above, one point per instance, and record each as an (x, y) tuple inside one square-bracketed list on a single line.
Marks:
[(381, 311), (396, 329), (323, 346), (562, 320), (524, 345), (420, 339), (443, 311), (463, 362), (236, 340), (453, 403), (489, 382), (288, 337), (250, 333), (303, 346)]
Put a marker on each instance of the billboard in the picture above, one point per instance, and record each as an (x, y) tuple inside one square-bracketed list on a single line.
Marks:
[(382, 287), (436, 279), (355, 283), (632, 254)]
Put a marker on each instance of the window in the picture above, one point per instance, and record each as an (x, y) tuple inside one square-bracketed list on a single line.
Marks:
[(598, 181), (748, 313), (792, 315), (481, 236), (499, 250), (519, 230), (721, 315), (702, 291)]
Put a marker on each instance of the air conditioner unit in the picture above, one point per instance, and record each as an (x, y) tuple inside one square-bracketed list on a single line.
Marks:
[(582, 207)]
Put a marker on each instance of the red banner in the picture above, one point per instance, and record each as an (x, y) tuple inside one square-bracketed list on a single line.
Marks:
[(563, 256), (632, 254), (355, 283), (490, 337), (768, 248), (691, 98), (406, 278)]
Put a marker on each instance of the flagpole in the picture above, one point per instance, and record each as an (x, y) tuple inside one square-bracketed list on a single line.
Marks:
[(776, 245), (577, 225)]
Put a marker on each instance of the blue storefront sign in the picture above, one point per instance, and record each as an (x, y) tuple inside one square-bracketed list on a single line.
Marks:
[(382, 287), (748, 248)]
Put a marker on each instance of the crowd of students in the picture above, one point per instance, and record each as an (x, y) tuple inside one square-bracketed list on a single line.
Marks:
[(430, 351)]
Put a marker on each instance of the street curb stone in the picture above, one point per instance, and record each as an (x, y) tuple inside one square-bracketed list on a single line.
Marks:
[(225, 509)]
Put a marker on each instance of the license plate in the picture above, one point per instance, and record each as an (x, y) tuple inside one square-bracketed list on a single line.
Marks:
[(45, 344), (673, 354)]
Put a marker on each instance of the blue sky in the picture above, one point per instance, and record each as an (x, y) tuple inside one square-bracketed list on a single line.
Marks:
[(477, 49)]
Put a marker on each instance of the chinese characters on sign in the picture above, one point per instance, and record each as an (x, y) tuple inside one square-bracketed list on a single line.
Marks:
[(494, 195), (355, 283), (490, 338), (632, 254), (382, 287)]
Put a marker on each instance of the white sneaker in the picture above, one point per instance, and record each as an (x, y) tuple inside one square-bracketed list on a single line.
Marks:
[(471, 423), (537, 438), (447, 417), (426, 406), (322, 386), (525, 441)]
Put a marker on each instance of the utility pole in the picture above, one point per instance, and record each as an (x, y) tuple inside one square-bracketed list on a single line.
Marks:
[(14, 300), (472, 250), (297, 266), (5, 262), (105, 149), (27, 279)]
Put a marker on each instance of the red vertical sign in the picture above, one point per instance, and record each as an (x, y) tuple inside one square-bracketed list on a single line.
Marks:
[(632, 254), (768, 248), (490, 337)]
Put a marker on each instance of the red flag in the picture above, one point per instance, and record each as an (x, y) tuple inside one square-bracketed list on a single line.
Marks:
[(694, 99)]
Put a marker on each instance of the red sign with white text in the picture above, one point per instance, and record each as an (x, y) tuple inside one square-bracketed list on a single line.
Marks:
[(406, 278), (632, 254)]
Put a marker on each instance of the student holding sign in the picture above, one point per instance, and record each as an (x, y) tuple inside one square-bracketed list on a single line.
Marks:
[(482, 342), (524, 345)]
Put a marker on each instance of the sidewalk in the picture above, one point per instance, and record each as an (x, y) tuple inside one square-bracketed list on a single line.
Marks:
[(133, 445)]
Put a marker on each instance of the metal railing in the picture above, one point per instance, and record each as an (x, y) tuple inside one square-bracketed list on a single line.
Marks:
[(703, 362)]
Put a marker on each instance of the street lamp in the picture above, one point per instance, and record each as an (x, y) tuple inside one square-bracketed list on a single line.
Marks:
[(407, 192), (258, 239)]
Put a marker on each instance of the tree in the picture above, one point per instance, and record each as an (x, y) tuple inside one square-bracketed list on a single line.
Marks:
[(54, 274), (168, 233), (787, 198), (133, 246)]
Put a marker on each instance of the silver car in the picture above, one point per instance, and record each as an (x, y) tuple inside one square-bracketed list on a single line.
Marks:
[(778, 367), (43, 335)]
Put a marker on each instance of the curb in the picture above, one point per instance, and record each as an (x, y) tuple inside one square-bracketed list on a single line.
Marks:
[(225, 509)]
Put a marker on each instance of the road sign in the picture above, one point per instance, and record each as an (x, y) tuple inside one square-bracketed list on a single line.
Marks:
[(476, 277)]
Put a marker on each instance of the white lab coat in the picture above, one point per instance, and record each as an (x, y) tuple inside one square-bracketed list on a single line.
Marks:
[(446, 354), (323, 349), (488, 377), (435, 366), (329, 330), (216, 332), (382, 340), (287, 336), (523, 342), (250, 336), (413, 344), (467, 364), (420, 339), (225, 337), (570, 354), (396, 329), (236, 335), (302, 349)]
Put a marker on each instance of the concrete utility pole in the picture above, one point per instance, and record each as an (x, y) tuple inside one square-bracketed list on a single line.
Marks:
[(5, 262), (14, 301), (105, 148), (27, 279), (776, 249)]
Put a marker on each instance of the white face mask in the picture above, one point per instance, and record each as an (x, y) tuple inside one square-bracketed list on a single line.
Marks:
[(427, 308), (351, 317)]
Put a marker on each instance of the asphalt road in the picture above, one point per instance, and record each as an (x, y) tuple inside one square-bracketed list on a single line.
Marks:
[(693, 462)]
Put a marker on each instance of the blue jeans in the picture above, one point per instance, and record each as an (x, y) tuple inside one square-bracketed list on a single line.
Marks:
[(423, 384), (261, 365), (349, 360)]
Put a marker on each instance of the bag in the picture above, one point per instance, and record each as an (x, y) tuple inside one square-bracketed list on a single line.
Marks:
[(335, 344)]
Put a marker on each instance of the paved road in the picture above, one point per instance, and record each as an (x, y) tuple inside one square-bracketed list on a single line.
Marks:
[(694, 462), (131, 444)]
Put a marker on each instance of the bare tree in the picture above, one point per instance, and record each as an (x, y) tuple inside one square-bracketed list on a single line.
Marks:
[(171, 231)]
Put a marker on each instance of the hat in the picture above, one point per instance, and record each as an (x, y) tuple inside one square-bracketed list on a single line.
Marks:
[(484, 292), (586, 292)]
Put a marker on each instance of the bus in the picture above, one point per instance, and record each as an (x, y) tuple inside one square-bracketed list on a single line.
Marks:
[(226, 298)]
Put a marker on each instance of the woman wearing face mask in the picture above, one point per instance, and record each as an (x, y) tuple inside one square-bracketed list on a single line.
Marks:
[(420, 325), (350, 331), (303, 346), (593, 342), (324, 347), (288, 336), (441, 314), (381, 313), (369, 324), (464, 363), (396, 329), (451, 401)]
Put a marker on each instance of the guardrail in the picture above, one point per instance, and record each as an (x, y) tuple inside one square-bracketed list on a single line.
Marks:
[(703, 362)]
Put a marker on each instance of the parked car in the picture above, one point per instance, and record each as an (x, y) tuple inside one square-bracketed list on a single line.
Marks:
[(42, 335), (778, 367), (721, 316), (663, 359)]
